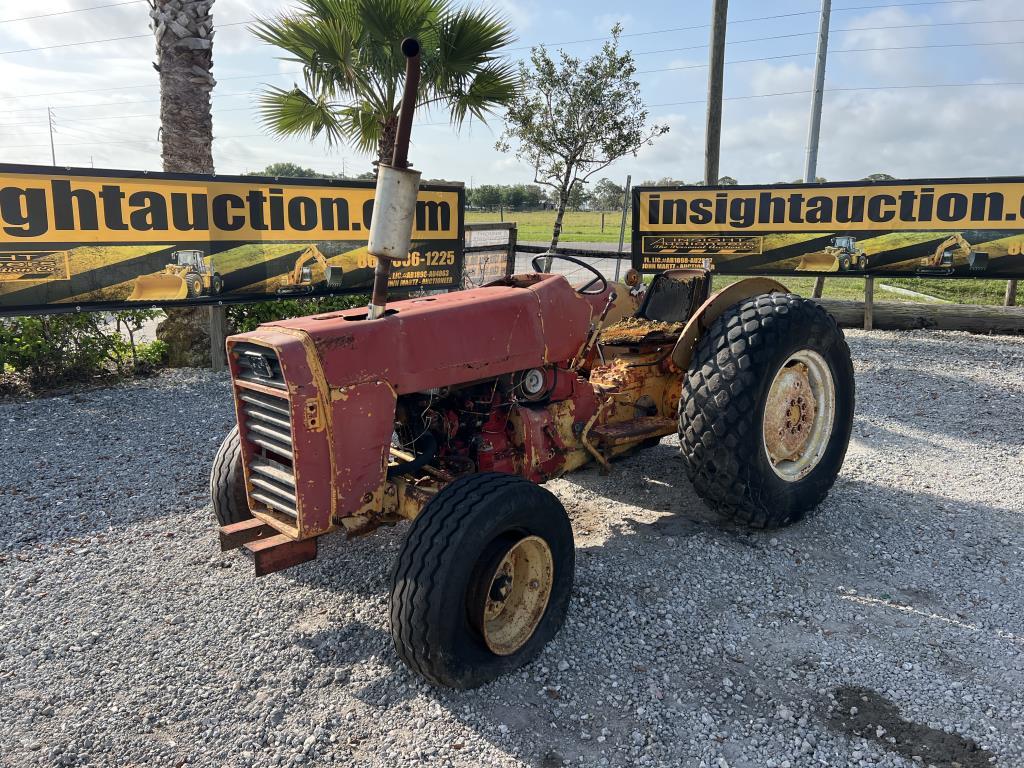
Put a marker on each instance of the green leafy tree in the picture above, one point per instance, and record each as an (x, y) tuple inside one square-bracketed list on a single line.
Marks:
[(353, 67), (879, 177), (727, 181), (291, 171), (487, 196), (607, 195), (574, 118), (579, 198)]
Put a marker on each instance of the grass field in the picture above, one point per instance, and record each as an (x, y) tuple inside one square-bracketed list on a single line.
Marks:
[(581, 226)]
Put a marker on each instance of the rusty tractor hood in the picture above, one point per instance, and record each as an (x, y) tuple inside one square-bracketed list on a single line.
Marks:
[(443, 340), (334, 380)]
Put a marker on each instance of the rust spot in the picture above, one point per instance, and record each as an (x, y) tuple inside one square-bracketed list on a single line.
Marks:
[(636, 330), (345, 341)]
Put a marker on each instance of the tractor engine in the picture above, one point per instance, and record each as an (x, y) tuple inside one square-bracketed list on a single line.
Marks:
[(527, 423)]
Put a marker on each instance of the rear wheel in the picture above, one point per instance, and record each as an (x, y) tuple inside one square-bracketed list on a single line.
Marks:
[(766, 410), (482, 581), (227, 482)]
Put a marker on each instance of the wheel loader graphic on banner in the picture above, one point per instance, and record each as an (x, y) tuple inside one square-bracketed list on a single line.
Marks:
[(842, 255), (188, 276)]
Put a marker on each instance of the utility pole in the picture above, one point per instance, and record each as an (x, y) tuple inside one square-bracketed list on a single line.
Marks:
[(49, 120), (716, 67), (814, 125), (622, 226)]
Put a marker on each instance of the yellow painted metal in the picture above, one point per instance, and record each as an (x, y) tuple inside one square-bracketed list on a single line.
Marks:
[(821, 261), (713, 308), (162, 286), (517, 595)]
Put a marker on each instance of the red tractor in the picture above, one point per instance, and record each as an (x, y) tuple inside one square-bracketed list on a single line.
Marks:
[(451, 411)]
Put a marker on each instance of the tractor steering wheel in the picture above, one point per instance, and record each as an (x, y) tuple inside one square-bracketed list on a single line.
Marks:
[(598, 277)]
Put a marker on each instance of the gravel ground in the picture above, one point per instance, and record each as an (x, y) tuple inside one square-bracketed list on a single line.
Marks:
[(887, 626)]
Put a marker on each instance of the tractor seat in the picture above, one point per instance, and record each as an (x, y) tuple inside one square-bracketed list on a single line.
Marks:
[(674, 295)]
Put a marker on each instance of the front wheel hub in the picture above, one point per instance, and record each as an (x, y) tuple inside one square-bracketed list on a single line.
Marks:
[(517, 595)]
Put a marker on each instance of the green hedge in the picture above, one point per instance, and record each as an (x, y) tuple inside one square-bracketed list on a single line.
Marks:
[(45, 352), (245, 317)]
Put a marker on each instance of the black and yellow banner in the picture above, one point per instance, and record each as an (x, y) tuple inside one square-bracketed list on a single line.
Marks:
[(934, 228), (102, 239)]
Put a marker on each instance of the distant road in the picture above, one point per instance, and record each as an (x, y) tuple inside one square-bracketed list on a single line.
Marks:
[(605, 266)]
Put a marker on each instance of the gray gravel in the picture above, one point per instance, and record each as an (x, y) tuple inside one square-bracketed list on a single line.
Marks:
[(887, 626)]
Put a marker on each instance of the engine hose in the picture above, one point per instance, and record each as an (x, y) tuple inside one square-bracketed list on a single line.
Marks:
[(423, 458)]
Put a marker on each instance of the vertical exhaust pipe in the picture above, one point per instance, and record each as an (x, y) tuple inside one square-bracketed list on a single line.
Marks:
[(394, 205)]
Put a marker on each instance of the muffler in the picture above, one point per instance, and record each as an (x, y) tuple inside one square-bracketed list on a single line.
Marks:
[(394, 205)]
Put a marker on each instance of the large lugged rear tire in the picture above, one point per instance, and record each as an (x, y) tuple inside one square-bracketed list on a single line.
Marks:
[(227, 482), (482, 581), (766, 410)]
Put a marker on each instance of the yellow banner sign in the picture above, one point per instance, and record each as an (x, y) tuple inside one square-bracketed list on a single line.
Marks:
[(940, 228), (37, 208), (811, 208), (101, 239)]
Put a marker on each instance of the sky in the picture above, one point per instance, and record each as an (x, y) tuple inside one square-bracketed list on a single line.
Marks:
[(105, 98)]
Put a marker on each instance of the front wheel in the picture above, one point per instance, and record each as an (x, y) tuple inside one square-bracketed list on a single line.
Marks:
[(227, 482), (482, 581), (766, 410)]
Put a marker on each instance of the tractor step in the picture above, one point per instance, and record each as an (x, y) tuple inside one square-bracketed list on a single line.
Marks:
[(275, 553), (236, 535), (623, 432)]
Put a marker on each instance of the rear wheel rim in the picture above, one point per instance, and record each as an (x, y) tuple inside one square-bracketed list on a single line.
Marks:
[(799, 415), (517, 595)]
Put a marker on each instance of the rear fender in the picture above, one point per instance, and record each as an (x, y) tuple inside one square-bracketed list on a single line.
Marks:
[(713, 308)]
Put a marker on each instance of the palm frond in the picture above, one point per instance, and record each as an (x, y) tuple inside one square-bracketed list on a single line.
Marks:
[(293, 112), (353, 68)]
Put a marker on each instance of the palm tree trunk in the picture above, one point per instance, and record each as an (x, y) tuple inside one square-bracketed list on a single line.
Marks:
[(184, 50), (386, 146), (184, 59)]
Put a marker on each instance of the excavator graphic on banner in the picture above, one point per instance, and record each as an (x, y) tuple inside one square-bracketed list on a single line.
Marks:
[(943, 261), (300, 279), (842, 255)]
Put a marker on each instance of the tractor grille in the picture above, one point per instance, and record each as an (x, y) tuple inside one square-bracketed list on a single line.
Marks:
[(268, 430), (258, 365)]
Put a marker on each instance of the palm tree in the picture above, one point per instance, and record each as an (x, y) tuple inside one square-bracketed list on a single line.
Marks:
[(353, 67), (184, 58)]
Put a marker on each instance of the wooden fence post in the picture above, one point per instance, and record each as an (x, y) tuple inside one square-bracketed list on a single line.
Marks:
[(869, 303), (1010, 300), (510, 264), (218, 323)]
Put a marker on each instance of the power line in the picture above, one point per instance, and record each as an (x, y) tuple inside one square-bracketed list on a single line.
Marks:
[(140, 85), (106, 40), (73, 10), (836, 90), (133, 101), (836, 50), (122, 117), (754, 18), (597, 39), (121, 141)]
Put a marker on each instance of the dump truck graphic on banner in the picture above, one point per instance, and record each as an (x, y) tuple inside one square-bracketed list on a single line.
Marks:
[(98, 239), (937, 228)]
